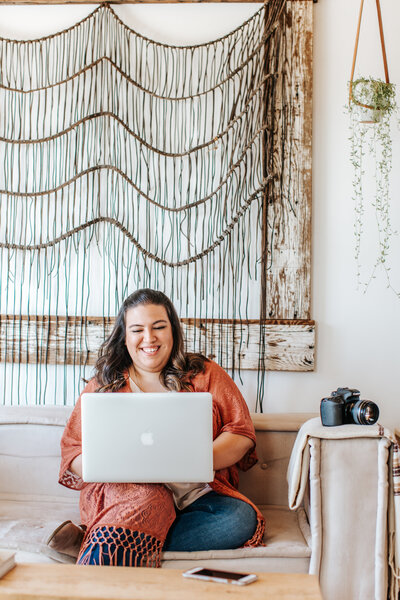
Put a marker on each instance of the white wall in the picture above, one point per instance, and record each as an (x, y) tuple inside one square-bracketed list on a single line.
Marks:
[(357, 334)]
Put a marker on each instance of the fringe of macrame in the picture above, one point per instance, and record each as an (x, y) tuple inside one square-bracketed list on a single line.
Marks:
[(258, 536), (139, 549), (103, 35), (127, 163)]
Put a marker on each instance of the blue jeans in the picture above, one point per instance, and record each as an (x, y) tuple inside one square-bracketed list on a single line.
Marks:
[(212, 522)]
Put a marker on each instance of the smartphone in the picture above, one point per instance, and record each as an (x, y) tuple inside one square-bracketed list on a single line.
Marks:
[(220, 576)]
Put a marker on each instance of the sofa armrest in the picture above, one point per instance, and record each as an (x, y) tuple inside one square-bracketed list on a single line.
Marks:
[(348, 485)]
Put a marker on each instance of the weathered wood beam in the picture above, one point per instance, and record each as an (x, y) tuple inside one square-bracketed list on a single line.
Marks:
[(289, 345), (287, 220)]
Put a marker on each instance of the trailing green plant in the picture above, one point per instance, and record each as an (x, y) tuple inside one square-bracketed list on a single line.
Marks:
[(371, 105), (374, 95)]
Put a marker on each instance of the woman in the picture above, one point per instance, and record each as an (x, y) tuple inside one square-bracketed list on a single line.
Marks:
[(130, 524)]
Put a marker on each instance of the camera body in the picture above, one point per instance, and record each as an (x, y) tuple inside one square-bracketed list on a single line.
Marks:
[(344, 405)]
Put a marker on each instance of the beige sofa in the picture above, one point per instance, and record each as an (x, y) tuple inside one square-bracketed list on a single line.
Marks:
[(317, 537)]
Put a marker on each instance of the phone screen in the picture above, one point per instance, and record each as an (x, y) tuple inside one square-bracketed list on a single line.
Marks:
[(221, 574)]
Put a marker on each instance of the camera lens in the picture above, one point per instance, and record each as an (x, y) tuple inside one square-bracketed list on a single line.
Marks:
[(364, 412)]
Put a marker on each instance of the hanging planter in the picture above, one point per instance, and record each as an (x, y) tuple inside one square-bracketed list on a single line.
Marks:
[(372, 102), (372, 99)]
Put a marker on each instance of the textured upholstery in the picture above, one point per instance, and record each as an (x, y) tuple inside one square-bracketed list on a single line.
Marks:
[(349, 499), (349, 473)]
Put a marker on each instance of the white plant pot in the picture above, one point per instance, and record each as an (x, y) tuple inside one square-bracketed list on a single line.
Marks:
[(369, 116)]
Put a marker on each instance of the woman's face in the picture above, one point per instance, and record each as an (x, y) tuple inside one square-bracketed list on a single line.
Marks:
[(149, 337)]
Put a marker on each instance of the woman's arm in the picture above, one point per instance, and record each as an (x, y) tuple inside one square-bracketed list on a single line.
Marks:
[(233, 429), (76, 466), (229, 448), (71, 448)]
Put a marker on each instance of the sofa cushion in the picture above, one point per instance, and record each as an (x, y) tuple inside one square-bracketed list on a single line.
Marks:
[(33, 414), (265, 483), (26, 525), (286, 549), (30, 451), (283, 538)]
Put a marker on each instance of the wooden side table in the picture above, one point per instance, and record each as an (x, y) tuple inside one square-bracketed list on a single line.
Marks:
[(62, 582)]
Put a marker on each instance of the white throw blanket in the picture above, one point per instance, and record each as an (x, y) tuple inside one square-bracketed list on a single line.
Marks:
[(298, 477)]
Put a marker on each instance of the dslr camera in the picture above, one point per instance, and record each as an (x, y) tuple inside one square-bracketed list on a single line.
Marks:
[(345, 406)]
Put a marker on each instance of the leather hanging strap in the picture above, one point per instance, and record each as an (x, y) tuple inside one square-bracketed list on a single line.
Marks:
[(385, 65)]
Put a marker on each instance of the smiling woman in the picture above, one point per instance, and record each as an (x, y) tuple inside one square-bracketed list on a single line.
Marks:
[(149, 341), (129, 524)]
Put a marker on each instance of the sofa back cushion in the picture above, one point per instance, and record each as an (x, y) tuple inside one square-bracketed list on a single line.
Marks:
[(30, 452), (265, 483)]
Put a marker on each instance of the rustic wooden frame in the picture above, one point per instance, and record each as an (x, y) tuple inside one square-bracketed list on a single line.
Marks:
[(76, 340), (286, 305), (287, 228)]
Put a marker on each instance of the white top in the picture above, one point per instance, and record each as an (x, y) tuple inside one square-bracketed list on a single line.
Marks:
[(183, 493)]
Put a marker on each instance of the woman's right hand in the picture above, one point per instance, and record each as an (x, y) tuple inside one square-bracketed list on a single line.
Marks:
[(76, 466)]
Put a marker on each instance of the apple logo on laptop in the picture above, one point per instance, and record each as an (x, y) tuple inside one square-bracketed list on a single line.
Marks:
[(147, 438)]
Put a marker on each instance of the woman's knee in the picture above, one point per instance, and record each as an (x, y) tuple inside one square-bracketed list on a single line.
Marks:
[(239, 522), (229, 513), (213, 523)]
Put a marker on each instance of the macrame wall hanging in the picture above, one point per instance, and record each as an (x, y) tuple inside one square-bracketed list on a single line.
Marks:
[(128, 163)]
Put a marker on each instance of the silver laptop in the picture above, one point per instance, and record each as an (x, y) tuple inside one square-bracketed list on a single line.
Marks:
[(148, 438)]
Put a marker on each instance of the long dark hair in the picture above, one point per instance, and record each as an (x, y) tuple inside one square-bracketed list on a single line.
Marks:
[(114, 359)]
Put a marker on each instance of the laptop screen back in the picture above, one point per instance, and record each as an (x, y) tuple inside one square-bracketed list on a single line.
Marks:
[(147, 437)]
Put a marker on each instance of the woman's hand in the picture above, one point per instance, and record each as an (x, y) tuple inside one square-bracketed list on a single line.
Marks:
[(76, 466), (229, 448)]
